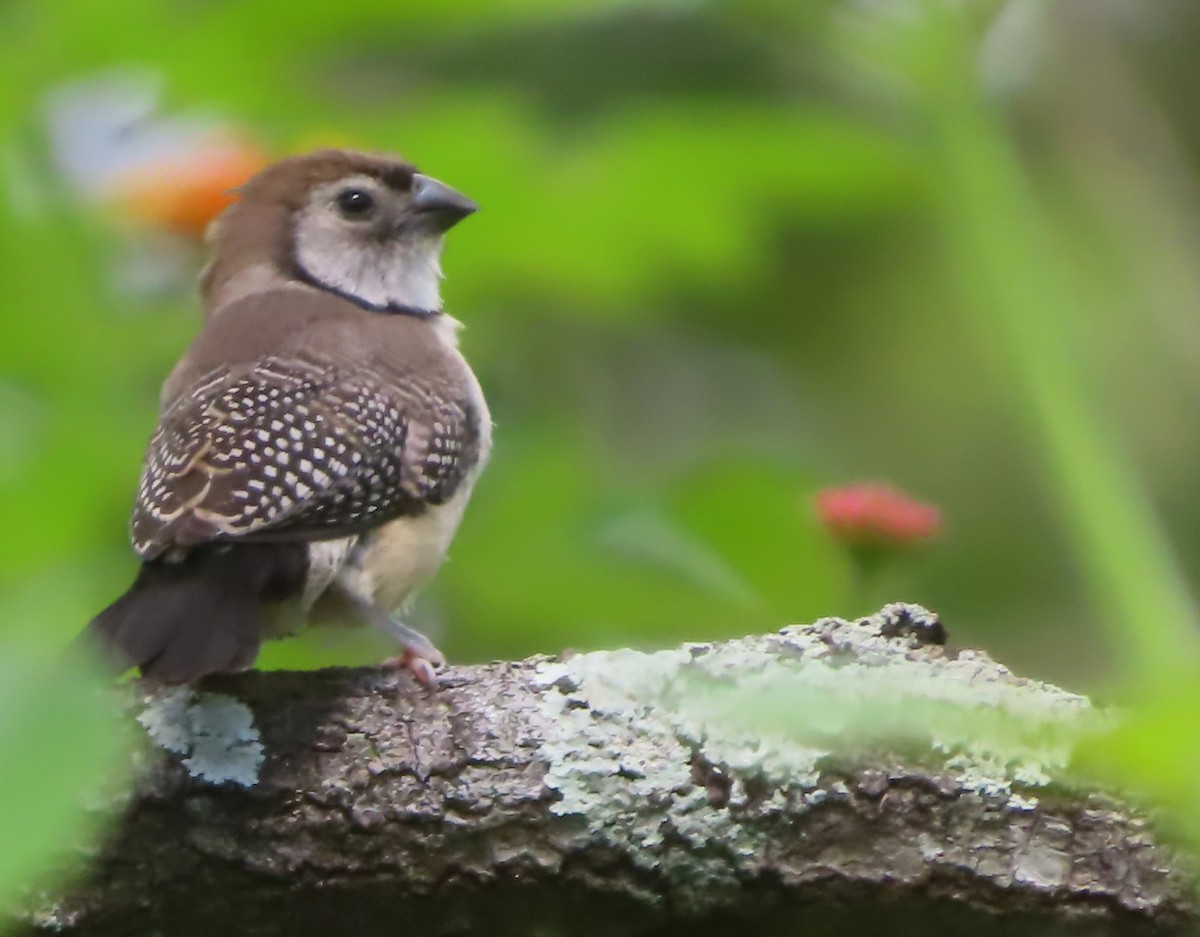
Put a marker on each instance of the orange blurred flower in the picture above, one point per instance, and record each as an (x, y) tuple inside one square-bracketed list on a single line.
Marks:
[(183, 192), (876, 515)]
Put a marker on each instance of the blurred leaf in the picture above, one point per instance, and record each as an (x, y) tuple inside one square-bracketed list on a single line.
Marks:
[(992, 732), (1152, 755), (647, 537), (557, 552), (61, 757), (758, 517)]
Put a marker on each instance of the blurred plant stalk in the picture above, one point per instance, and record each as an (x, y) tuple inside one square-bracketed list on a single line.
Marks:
[(1027, 301), (1032, 309)]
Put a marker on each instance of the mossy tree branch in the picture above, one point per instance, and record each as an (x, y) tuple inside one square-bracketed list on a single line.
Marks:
[(690, 791)]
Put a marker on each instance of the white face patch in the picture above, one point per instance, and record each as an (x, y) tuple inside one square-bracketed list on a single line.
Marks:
[(360, 258)]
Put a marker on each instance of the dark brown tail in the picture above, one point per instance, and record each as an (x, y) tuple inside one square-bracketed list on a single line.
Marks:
[(181, 621)]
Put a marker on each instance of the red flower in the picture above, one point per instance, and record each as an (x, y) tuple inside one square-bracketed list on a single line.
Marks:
[(184, 192), (876, 515)]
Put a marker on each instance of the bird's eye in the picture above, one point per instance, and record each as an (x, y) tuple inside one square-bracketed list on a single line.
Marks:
[(355, 203)]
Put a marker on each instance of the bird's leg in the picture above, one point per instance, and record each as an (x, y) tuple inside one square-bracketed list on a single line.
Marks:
[(419, 654)]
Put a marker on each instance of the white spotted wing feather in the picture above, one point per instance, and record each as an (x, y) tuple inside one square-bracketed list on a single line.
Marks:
[(284, 450)]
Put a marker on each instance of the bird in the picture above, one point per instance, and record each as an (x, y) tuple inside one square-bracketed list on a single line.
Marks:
[(318, 440)]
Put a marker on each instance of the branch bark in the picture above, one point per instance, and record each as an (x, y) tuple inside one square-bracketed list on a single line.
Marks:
[(696, 790)]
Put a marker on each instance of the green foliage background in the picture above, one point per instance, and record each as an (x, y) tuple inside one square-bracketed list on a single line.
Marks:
[(728, 253)]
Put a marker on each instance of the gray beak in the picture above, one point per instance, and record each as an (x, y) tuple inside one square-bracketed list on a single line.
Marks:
[(438, 204)]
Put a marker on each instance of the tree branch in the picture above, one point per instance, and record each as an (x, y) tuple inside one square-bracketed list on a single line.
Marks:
[(694, 790)]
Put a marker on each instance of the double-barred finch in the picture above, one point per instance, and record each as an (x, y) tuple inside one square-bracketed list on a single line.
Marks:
[(319, 439)]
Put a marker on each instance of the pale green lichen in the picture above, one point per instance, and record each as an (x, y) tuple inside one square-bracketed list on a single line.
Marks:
[(48, 915), (215, 734), (635, 741)]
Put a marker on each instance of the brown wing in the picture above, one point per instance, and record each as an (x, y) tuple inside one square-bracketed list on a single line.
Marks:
[(292, 450)]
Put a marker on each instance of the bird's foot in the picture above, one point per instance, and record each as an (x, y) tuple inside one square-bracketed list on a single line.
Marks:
[(422, 659)]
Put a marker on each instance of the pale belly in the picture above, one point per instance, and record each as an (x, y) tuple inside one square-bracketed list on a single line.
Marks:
[(385, 566), (402, 556), (388, 564)]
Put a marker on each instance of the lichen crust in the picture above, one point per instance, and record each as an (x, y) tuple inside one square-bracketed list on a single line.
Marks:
[(748, 726), (214, 733)]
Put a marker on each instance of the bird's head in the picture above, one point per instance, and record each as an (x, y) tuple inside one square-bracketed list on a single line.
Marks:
[(364, 226)]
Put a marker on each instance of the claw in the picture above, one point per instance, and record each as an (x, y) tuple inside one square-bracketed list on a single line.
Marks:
[(421, 663)]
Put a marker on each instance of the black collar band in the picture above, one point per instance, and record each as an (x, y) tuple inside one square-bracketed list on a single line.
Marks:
[(396, 309), (399, 310)]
